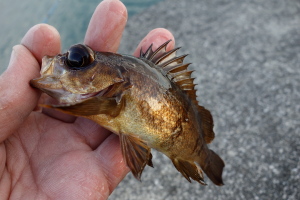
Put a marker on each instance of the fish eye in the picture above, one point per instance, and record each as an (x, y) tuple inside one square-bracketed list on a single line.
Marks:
[(78, 57)]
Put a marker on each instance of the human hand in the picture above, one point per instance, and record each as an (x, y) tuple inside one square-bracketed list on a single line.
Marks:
[(51, 155)]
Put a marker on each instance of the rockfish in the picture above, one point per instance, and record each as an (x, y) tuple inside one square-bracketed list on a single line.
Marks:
[(150, 102)]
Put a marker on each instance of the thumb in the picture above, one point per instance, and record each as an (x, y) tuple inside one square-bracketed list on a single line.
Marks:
[(17, 97)]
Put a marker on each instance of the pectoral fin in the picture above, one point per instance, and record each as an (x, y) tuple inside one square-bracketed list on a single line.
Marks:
[(93, 106), (136, 153)]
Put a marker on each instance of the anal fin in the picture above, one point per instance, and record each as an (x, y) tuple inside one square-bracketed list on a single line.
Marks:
[(189, 170), (136, 153)]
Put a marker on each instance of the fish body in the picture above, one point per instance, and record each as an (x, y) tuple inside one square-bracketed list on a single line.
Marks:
[(150, 102)]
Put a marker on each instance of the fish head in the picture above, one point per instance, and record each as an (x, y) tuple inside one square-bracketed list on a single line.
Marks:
[(76, 75)]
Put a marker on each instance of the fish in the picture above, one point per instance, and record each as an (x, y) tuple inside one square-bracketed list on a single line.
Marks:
[(150, 101)]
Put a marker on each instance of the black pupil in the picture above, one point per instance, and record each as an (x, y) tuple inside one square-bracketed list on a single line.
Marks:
[(78, 57)]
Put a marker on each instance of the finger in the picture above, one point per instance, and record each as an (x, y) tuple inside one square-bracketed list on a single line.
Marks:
[(41, 40), (111, 160), (103, 34), (106, 26), (18, 98), (155, 37)]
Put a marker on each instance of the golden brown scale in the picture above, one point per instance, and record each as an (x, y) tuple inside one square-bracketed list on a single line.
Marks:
[(150, 102)]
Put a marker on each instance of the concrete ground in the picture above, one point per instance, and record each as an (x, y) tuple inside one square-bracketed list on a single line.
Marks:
[(247, 60)]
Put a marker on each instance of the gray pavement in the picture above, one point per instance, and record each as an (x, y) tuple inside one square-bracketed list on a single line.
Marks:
[(247, 60)]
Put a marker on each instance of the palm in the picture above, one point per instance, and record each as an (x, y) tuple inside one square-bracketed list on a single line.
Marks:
[(56, 159)]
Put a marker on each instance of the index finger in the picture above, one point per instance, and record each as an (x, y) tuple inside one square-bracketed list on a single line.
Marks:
[(106, 26)]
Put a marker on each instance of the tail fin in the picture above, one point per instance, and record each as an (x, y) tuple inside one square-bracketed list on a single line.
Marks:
[(213, 167)]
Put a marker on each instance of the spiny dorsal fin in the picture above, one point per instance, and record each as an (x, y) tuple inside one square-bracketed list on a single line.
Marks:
[(178, 73), (173, 66), (152, 55)]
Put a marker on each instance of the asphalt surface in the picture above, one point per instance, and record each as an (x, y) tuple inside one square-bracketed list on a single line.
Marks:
[(247, 60)]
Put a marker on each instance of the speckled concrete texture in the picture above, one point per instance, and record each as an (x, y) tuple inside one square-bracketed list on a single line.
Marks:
[(247, 60)]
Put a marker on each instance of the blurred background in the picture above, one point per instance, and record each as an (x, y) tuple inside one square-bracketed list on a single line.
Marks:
[(69, 17), (246, 57)]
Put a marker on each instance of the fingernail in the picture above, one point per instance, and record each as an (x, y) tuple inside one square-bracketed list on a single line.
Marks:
[(12, 56)]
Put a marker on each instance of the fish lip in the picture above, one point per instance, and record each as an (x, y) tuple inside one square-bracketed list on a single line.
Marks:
[(45, 82)]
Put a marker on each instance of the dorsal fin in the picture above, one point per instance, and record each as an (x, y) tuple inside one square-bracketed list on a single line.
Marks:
[(174, 67), (152, 55), (178, 73)]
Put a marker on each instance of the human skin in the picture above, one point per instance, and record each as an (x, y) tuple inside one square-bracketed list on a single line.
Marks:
[(49, 155)]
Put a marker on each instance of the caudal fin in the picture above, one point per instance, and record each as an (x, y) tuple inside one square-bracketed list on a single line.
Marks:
[(213, 167)]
